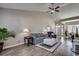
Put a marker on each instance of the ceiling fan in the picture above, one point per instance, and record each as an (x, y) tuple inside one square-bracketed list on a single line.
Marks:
[(53, 9)]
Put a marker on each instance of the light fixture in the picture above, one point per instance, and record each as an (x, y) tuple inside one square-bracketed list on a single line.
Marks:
[(26, 30), (52, 11)]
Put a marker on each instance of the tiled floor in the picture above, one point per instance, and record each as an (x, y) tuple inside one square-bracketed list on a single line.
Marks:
[(63, 50)]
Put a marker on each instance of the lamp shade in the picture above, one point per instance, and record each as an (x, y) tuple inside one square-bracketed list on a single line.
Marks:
[(26, 30)]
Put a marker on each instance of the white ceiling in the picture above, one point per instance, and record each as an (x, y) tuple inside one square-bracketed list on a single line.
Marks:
[(66, 10), (69, 10), (26, 6), (29, 6)]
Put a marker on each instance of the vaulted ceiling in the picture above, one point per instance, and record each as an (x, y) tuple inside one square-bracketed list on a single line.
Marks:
[(66, 10)]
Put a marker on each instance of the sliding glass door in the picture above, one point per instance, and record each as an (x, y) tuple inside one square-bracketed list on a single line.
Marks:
[(59, 30)]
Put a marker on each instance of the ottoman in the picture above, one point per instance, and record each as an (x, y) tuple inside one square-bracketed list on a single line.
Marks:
[(49, 41)]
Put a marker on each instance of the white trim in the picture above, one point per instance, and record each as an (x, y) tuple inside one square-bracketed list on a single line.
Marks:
[(12, 46)]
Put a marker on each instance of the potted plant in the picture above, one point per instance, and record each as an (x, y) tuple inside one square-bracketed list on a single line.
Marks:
[(76, 32), (66, 33), (3, 37), (12, 34)]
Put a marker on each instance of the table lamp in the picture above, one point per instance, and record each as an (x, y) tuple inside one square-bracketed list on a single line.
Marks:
[(26, 32)]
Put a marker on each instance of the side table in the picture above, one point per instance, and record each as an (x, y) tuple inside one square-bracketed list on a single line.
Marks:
[(29, 40)]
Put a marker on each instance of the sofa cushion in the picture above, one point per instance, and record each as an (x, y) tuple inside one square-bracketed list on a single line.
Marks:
[(38, 37)]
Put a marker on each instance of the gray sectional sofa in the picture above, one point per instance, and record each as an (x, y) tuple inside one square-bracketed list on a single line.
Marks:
[(38, 37)]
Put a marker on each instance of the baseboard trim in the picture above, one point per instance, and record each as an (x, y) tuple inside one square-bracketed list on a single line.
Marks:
[(12, 46)]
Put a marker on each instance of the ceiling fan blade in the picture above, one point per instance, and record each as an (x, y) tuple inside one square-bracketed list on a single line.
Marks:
[(57, 10), (57, 7), (51, 8)]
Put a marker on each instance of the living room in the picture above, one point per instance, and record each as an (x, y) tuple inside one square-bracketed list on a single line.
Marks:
[(41, 23)]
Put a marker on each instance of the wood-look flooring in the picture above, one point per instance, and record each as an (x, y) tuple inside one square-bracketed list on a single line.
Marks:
[(23, 50)]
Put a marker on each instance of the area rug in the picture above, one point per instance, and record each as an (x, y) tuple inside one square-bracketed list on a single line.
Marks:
[(49, 48)]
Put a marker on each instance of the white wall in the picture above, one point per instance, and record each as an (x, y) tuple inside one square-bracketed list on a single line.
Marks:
[(18, 20)]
